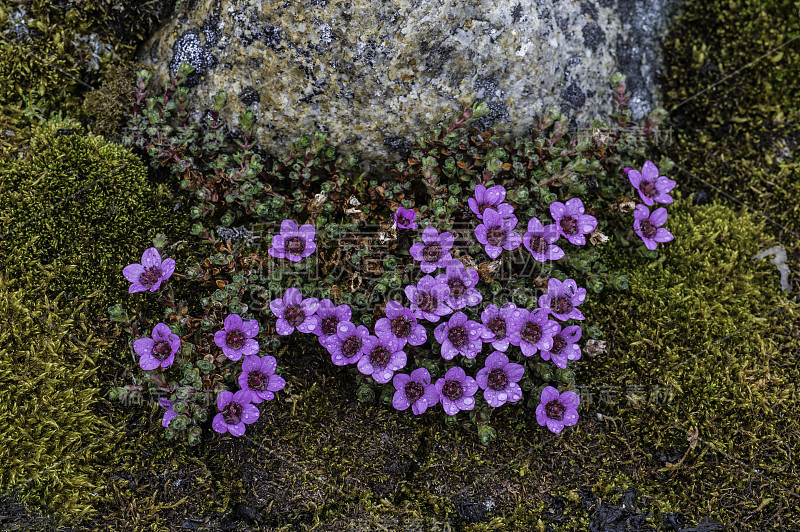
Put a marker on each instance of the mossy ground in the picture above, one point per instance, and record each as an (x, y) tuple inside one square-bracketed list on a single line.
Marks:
[(707, 320)]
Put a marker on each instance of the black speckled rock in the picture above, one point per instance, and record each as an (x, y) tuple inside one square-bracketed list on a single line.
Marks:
[(376, 74)]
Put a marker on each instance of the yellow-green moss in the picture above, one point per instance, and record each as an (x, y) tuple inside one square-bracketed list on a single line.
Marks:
[(51, 435)]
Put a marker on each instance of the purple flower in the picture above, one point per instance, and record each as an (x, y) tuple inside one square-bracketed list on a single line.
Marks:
[(456, 391), (539, 240), (461, 282), (651, 187), (428, 299), (485, 199), (565, 346), (648, 226), (382, 357), (347, 345), (294, 243), (404, 218), (557, 410), (235, 411), (496, 233), (415, 390), (533, 331), (498, 324), (258, 376), (459, 335), (150, 273), (237, 338), (571, 222), (293, 312), (159, 350), (499, 380), (434, 250), (401, 323), (170, 414), (329, 317), (562, 298)]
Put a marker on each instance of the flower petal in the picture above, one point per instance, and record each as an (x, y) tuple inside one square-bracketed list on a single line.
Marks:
[(132, 272), (233, 321), (151, 258)]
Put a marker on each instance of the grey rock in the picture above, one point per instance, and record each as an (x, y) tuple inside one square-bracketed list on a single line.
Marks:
[(375, 75)]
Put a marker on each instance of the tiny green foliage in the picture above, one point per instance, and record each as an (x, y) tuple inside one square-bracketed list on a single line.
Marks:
[(86, 203), (51, 436)]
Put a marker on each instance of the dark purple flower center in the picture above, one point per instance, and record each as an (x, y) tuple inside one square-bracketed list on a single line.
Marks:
[(497, 379), (161, 350), (235, 339), (561, 305), (496, 235), (401, 327), (329, 325), (379, 356), (427, 302), (569, 225), (432, 252), (351, 346), (457, 287), (294, 315), (482, 206), (555, 410), (538, 244), (257, 381), (458, 336), (295, 245), (150, 276), (403, 220), (531, 332), (498, 327), (232, 414), (648, 188), (452, 390), (648, 229), (558, 344), (414, 391)]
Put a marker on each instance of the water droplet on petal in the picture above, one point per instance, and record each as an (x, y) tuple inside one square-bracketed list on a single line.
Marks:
[(468, 401), (502, 396)]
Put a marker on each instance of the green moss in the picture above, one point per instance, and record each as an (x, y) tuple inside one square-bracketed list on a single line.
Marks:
[(51, 434), (85, 206)]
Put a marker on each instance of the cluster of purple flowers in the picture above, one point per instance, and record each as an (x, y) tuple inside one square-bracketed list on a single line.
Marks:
[(497, 230), (652, 188)]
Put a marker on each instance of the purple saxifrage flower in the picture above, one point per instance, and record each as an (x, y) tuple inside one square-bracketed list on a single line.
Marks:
[(565, 346), (539, 240), (533, 331), (572, 224), (347, 345), (382, 357), (235, 411), (294, 312), (294, 243), (258, 376), (150, 273), (415, 390), (404, 218), (498, 324), (428, 299), (499, 380), (401, 323), (497, 233), (459, 335), (238, 337), (488, 198), (456, 391), (170, 414), (462, 285), (557, 410), (648, 226), (562, 298), (434, 250), (329, 317), (159, 350), (651, 187)]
